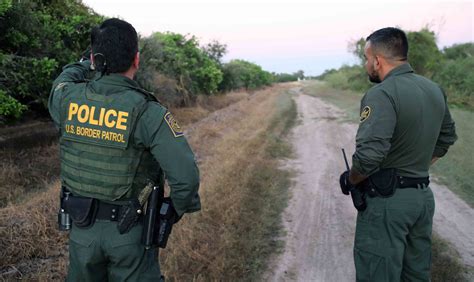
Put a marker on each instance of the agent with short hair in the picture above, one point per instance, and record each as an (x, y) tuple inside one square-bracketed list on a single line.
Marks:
[(116, 139), (405, 126)]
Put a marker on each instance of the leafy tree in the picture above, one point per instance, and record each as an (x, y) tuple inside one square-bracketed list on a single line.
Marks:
[(356, 47), (4, 6), (451, 67), (36, 39), (177, 58), (243, 74), (459, 51), (300, 74), (215, 50), (287, 77), (456, 76), (284, 77), (423, 53)]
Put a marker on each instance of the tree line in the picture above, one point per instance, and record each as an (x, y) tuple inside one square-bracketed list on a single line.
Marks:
[(37, 38), (451, 67)]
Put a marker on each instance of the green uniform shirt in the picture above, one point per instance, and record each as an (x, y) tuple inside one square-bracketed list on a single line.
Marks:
[(404, 123), (156, 130)]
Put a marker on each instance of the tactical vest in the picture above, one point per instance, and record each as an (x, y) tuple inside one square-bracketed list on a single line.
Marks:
[(98, 155)]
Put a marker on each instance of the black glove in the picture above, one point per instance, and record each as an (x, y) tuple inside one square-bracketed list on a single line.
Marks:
[(174, 215), (346, 186), (177, 217)]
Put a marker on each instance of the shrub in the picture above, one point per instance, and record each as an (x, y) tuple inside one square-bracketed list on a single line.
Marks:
[(451, 68), (32, 33), (179, 59), (243, 74), (457, 79), (9, 107)]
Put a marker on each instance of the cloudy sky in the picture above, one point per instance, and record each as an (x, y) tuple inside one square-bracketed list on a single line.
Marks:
[(286, 35)]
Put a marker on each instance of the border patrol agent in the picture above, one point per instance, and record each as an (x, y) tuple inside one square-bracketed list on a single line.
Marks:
[(114, 139), (405, 126)]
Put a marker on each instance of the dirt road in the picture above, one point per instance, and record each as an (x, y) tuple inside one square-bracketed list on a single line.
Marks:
[(320, 221)]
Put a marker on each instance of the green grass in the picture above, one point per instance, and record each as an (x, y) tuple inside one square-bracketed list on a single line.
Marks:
[(447, 266), (348, 101), (456, 168), (280, 126), (269, 185)]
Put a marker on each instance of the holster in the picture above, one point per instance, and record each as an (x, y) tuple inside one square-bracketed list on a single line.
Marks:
[(129, 216), (82, 210), (382, 184), (385, 182), (159, 219), (166, 220)]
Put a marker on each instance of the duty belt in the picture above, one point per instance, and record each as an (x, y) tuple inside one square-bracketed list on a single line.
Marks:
[(106, 211), (412, 182), (100, 209)]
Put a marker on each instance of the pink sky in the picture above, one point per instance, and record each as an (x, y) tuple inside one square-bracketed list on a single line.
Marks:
[(285, 36)]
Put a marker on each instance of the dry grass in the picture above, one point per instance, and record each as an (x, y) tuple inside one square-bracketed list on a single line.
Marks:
[(205, 105), (31, 246), (28, 170), (243, 192)]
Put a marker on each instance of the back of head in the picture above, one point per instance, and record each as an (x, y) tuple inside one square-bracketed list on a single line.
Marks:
[(114, 45), (389, 42)]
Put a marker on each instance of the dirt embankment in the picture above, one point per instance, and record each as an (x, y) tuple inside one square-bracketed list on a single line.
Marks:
[(320, 221)]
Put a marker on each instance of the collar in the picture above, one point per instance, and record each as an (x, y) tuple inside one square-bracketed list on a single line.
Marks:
[(401, 69), (117, 80)]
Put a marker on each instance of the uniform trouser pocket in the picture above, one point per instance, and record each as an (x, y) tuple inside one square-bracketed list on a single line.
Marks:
[(377, 252), (369, 258), (417, 258), (86, 261), (128, 258)]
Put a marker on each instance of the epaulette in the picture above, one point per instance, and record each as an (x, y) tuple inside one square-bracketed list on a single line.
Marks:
[(148, 95)]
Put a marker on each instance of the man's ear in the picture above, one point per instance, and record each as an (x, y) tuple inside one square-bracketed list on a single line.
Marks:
[(136, 60), (376, 62)]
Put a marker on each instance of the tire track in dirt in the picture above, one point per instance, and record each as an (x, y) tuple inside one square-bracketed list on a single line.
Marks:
[(320, 222)]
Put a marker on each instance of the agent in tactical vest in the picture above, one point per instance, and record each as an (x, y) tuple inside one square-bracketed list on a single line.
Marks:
[(116, 139)]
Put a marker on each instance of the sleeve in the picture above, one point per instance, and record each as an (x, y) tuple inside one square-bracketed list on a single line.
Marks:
[(159, 131), (377, 124), (447, 135), (71, 73)]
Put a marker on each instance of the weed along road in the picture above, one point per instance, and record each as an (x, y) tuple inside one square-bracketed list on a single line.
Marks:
[(320, 221)]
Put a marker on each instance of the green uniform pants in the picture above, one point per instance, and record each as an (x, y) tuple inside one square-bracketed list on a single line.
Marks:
[(393, 237), (100, 253)]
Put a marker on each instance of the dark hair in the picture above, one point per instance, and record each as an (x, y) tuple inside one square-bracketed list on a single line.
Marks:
[(114, 44), (390, 42)]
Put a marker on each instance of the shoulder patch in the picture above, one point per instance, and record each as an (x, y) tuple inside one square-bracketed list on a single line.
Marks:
[(173, 124), (364, 115)]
